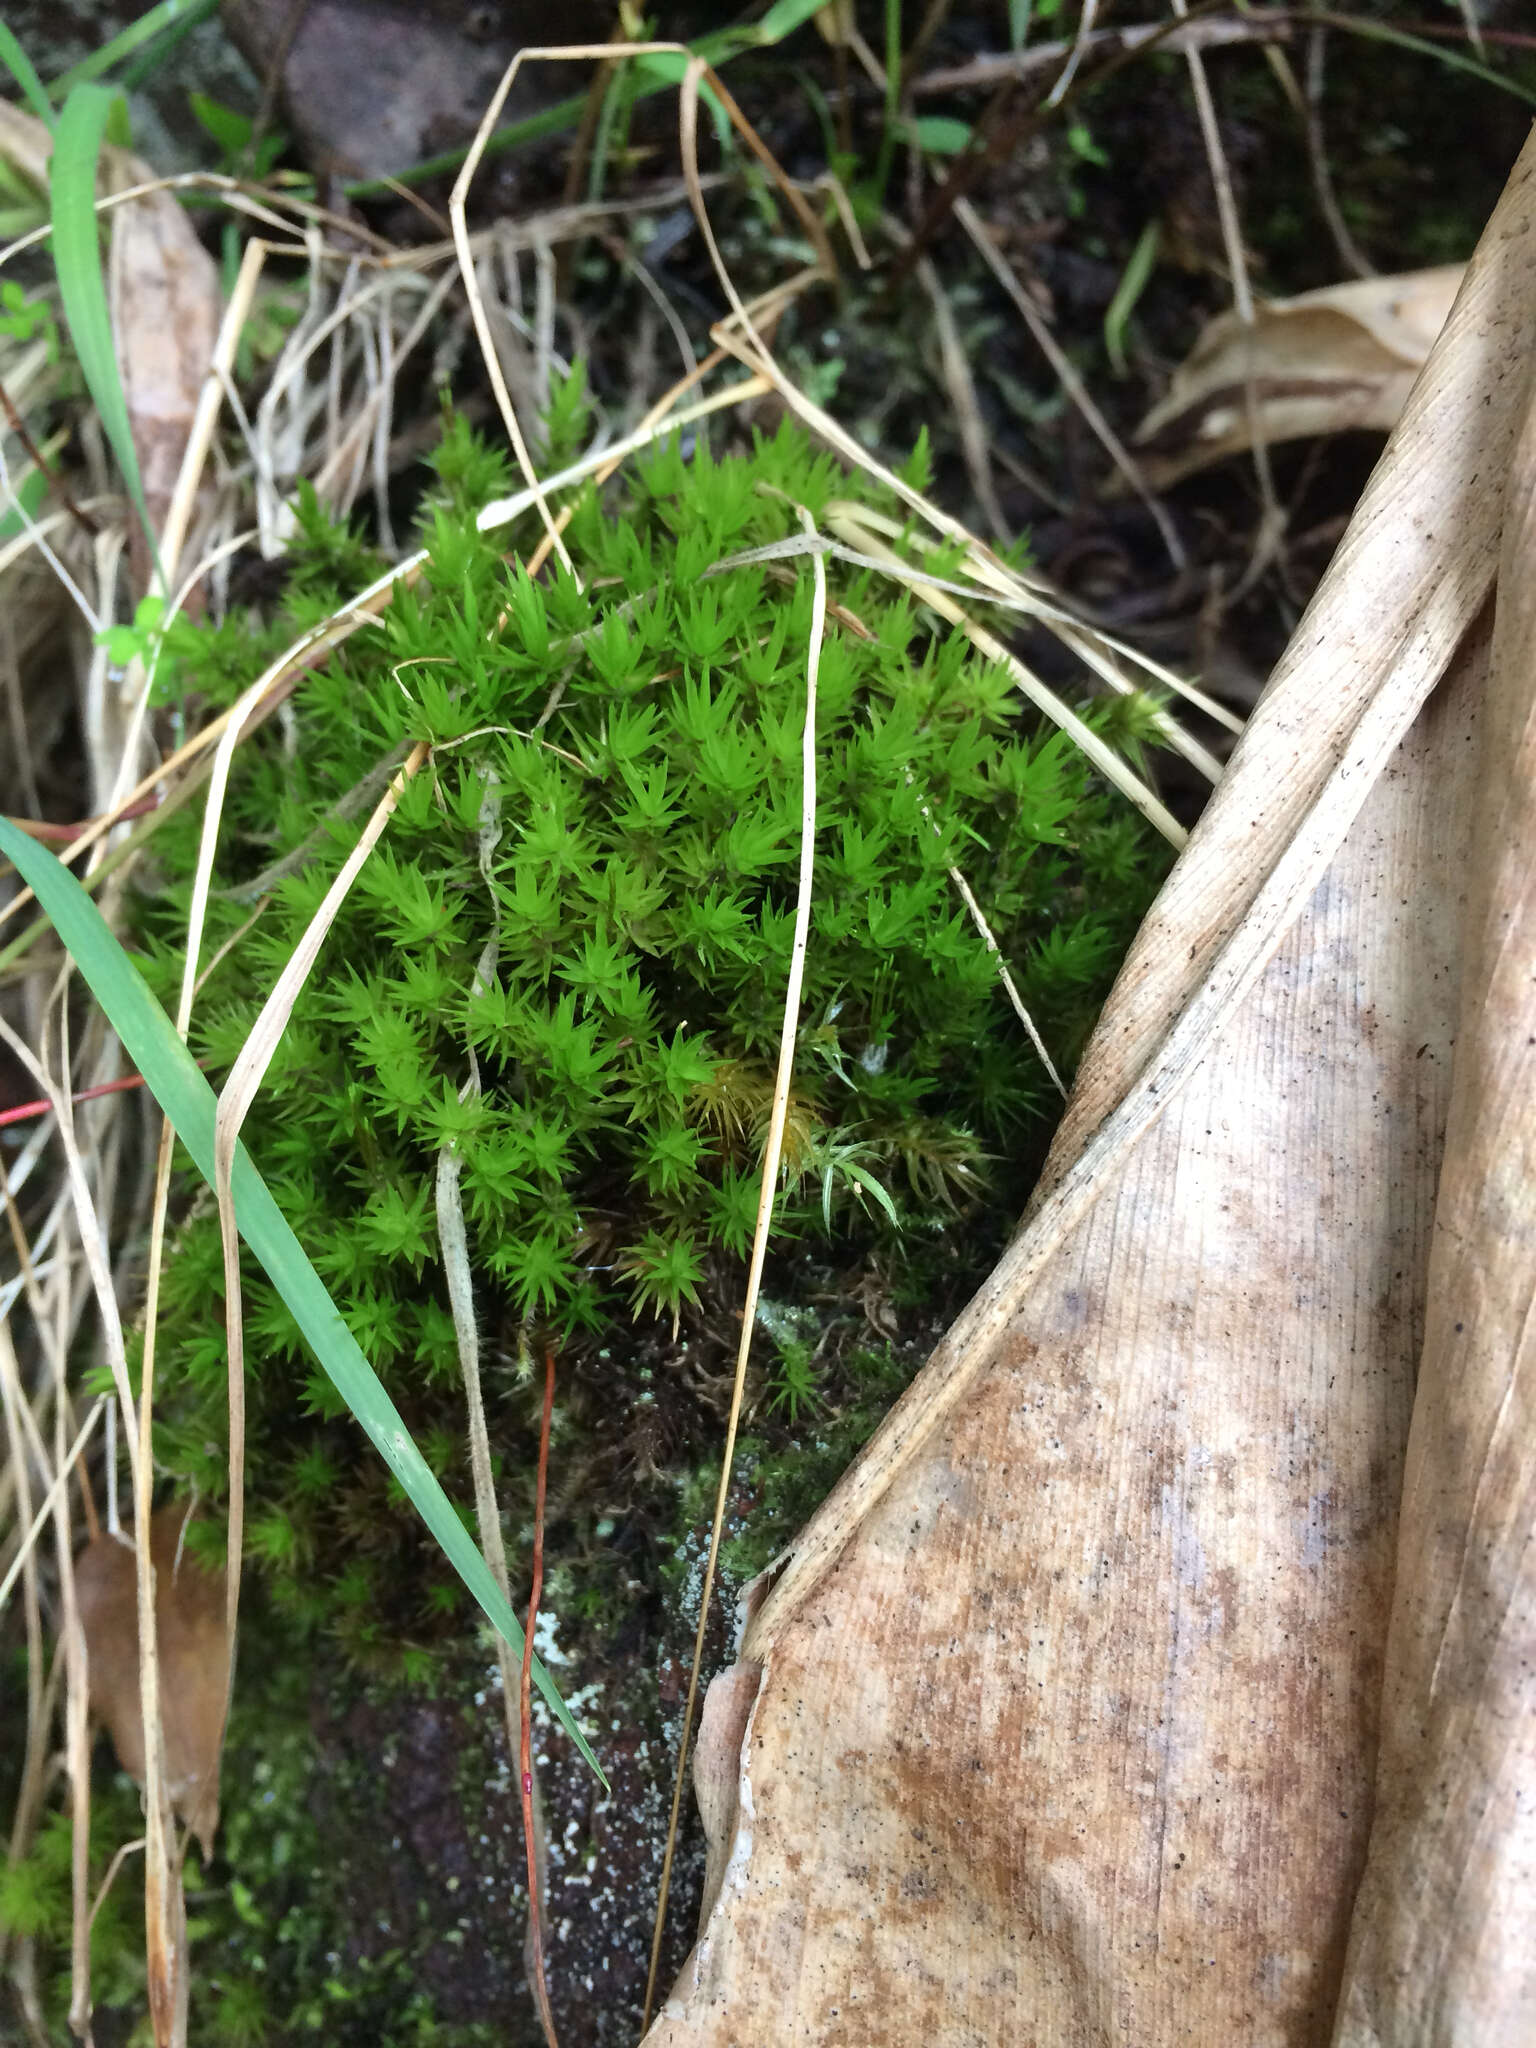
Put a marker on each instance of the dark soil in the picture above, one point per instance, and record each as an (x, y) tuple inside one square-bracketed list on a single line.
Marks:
[(417, 1796)]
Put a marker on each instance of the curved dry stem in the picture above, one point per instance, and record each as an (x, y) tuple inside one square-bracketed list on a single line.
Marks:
[(773, 1149)]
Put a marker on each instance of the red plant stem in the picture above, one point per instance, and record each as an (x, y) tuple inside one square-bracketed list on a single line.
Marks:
[(65, 835), (525, 1707), (25, 1111), (51, 477)]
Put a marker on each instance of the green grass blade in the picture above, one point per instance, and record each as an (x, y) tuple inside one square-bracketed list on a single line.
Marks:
[(21, 68), (1455, 60), (178, 1086), (178, 14), (784, 19), (1133, 282), (77, 140)]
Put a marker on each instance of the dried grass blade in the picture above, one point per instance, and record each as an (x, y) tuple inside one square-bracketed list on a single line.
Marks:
[(1104, 758), (236, 313), (772, 1153), (1069, 379), (57, 1488)]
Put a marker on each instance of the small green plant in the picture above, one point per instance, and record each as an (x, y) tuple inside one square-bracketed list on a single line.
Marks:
[(22, 317), (796, 1392), (241, 150), (139, 641)]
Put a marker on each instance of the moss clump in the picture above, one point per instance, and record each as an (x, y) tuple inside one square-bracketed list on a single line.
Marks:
[(567, 958)]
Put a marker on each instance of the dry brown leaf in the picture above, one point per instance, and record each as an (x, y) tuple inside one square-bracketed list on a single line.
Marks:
[(1328, 361), (26, 146), (1443, 1946), (166, 307), (1067, 1718), (189, 1617)]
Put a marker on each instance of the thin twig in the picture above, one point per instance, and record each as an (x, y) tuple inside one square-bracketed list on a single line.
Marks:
[(1070, 381), (1350, 254), (24, 1112), (54, 481), (1080, 45), (773, 1149), (1259, 27), (1272, 520)]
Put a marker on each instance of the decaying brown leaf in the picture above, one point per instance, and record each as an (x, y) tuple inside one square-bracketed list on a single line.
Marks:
[(1443, 1946), (189, 1617), (166, 307), (1067, 1722), (1328, 361)]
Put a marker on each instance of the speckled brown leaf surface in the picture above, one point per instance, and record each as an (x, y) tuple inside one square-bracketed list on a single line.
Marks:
[(1067, 1724), (1443, 1947)]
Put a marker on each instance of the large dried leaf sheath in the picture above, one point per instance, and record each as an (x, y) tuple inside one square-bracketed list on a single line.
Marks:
[(1060, 1724)]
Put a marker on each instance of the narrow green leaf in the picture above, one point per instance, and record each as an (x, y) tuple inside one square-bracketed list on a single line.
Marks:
[(178, 1086), (21, 68), (230, 129), (784, 18), (872, 1187), (77, 257), (1133, 282)]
